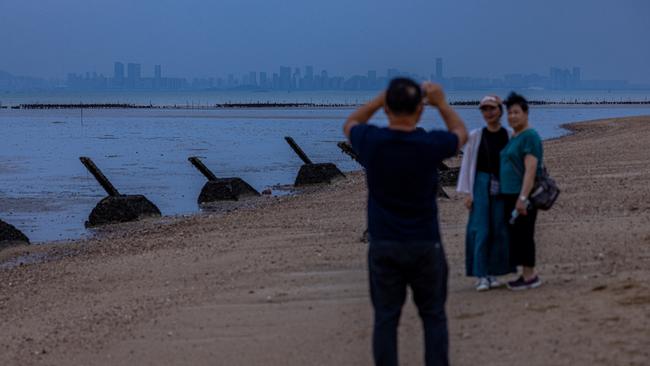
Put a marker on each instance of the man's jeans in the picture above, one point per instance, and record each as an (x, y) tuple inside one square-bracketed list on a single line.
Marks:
[(392, 267)]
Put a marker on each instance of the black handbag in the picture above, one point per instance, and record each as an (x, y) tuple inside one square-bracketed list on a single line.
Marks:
[(545, 190)]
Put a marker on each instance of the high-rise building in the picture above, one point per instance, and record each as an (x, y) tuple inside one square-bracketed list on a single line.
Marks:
[(276, 81), (324, 80), (252, 78), (118, 75), (308, 81), (118, 71), (263, 80), (133, 75), (372, 79), (439, 74), (295, 79), (134, 71), (285, 78), (560, 78), (575, 77), (157, 72)]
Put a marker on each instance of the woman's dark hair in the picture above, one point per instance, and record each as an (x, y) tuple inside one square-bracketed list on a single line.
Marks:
[(516, 99), (403, 96), (500, 110)]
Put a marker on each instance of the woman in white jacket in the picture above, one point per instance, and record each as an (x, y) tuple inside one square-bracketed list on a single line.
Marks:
[(486, 241)]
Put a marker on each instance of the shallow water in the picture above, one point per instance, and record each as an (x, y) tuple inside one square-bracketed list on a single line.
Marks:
[(47, 193)]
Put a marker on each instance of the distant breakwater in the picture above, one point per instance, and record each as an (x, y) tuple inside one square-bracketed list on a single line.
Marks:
[(281, 105), (176, 106)]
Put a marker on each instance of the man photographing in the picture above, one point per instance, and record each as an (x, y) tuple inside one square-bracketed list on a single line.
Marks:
[(401, 163)]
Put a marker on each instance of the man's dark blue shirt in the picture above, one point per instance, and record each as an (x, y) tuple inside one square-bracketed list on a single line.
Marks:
[(402, 176)]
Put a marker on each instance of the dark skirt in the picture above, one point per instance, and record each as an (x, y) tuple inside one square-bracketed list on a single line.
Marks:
[(487, 250)]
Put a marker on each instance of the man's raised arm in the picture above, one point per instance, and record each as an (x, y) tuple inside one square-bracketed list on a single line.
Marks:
[(364, 113), (436, 97)]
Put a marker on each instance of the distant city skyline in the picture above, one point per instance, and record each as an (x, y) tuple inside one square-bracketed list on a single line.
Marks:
[(199, 38), (149, 70), (130, 76)]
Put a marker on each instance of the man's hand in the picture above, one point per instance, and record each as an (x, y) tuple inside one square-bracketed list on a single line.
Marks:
[(433, 94), (364, 113)]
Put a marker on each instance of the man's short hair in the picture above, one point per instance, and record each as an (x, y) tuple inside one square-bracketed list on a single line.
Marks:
[(403, 96), (516, 99)]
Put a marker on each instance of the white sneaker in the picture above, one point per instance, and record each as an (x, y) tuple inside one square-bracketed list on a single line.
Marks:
[(494, 282), (483, 284)]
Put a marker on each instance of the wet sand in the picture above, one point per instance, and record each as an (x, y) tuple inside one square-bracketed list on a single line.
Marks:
[(285, 282)]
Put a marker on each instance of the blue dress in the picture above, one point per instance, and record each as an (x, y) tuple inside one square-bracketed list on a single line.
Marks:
[(486, 242)]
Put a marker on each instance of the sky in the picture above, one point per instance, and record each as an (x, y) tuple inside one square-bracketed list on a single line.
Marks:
[(201, 38)]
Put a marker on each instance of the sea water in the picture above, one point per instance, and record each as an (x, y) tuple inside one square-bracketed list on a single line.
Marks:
[(47, 193)]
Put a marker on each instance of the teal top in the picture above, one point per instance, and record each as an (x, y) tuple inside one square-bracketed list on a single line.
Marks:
[(511, 177)]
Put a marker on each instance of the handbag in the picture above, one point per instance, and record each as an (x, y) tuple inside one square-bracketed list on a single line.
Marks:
[(545, 190)]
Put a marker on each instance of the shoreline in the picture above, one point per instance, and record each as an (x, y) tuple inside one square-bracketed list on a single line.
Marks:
[(98, 232), (285, 283), (284, 105), (22, 204)]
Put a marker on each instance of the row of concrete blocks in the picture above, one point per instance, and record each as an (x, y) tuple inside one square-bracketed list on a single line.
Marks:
[(117, 207)]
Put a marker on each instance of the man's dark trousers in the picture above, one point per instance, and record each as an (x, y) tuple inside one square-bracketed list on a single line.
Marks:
[(392, 267)]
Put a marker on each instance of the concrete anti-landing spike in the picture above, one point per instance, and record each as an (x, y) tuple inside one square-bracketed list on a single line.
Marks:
[(116, 207), (10, 236), (221, 189), (311, 173)]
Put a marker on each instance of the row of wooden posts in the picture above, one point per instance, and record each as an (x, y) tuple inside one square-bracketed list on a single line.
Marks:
[(117, 207)]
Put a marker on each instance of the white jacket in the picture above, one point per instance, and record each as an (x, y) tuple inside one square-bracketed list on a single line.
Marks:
[(470, 157)]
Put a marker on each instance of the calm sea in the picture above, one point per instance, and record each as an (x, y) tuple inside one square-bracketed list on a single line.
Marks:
[(48, 194)]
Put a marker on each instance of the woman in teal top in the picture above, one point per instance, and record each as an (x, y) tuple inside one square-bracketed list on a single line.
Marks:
[(521, 161)]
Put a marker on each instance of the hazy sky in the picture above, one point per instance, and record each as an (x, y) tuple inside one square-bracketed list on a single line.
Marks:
[(608, 39)]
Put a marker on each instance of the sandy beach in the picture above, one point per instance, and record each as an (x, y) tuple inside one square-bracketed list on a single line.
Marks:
[(283, 282)]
